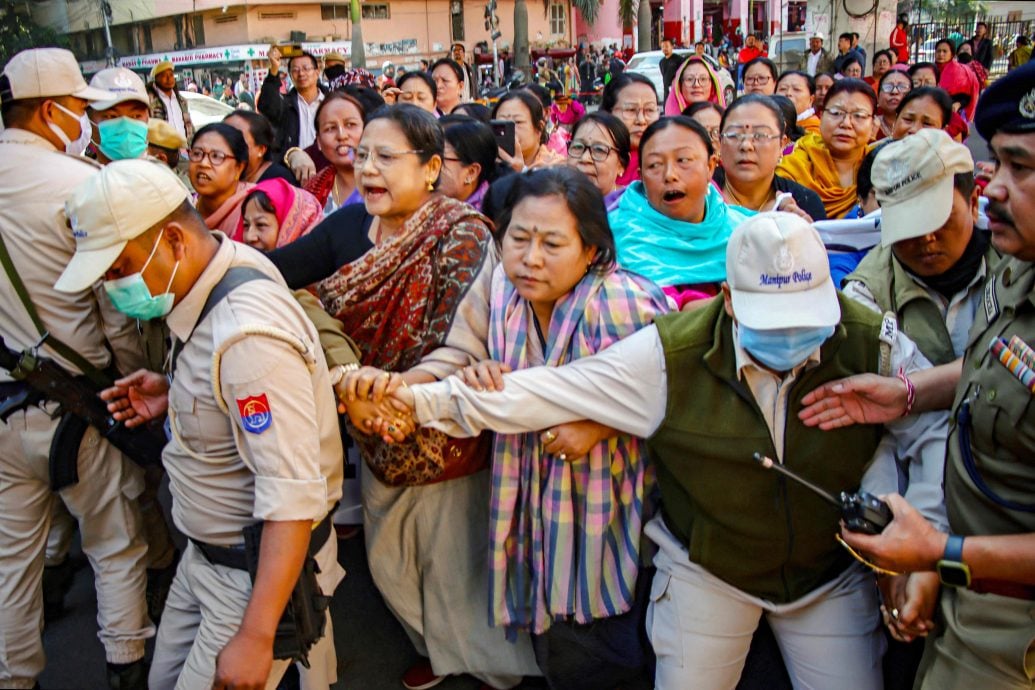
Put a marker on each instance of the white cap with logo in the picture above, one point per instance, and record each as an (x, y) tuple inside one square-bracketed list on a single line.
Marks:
[(779, 274), (47, 72), (124, 85), (118, 204), (912, 178)]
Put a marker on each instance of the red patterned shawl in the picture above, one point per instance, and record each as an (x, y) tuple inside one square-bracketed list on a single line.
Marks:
[(398, 302)]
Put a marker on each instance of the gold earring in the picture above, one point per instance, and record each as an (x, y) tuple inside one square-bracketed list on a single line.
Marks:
[(431, 186)]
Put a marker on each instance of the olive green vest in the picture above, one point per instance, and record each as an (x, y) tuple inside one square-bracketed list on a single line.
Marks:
[(752, 527), (918, 316)]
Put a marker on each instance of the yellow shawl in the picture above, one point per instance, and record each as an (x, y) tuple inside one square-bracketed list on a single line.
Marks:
[(810, 164)]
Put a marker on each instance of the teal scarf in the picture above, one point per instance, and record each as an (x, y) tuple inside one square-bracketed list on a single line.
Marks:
[(672, 252)]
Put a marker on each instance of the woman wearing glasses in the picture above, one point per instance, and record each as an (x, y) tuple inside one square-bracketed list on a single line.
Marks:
[(695, 81), (632, 99), (407, 275), (760, 76), (600, 148), (218, 157), (827, 162), (893, 87), (752, 139), (672, 226)]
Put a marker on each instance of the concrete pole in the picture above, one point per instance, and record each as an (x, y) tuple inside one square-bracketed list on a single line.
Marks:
[(644, 18), (521, 63)]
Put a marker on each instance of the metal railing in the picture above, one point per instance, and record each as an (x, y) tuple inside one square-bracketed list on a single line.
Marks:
[(1002, 33)]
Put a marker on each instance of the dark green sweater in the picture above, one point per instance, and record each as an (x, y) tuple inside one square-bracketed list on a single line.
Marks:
[(746, 525)]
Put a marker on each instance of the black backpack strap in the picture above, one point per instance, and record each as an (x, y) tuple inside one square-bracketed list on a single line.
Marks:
[(234, 278)]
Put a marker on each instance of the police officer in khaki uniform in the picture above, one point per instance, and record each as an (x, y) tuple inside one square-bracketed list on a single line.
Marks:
[(252, 416), (43, 99), (986, 633)]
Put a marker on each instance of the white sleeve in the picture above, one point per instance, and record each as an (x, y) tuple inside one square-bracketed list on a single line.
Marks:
[(858, 292), (914, 446), (623, 387)]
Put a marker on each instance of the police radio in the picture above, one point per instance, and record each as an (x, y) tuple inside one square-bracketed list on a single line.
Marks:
[(862, 512)]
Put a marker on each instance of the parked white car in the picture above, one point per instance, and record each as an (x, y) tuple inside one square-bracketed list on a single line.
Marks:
[(647, 65), (786, 49), (204, 109)]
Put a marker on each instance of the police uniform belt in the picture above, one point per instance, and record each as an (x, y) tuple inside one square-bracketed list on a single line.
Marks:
[(234, 556)]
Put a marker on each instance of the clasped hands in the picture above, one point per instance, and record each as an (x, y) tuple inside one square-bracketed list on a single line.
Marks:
[(374, 400), (380, 402)]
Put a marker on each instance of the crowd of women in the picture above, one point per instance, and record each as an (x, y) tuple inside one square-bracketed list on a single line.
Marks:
[(524, 554)]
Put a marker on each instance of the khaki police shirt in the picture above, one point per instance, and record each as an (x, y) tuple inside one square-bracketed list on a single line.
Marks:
[(274, 451), (1002, 429), (35, 181)]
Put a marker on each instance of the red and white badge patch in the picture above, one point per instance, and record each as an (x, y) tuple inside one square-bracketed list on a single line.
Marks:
[(255, 413)]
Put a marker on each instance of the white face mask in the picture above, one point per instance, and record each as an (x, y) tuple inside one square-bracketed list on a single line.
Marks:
[(77, 147)]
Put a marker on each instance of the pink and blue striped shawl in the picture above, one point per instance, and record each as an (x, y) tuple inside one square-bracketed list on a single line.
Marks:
[(565, 535)]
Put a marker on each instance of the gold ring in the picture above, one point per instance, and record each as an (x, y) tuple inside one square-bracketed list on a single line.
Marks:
[(550, 436)]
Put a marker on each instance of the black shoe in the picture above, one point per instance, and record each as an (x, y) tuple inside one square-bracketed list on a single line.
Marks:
[(57, 580), (158, 582), (132, 676)]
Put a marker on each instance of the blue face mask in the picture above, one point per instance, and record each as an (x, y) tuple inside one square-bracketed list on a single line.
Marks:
[(123, 138), (131, 296), (782, 349)]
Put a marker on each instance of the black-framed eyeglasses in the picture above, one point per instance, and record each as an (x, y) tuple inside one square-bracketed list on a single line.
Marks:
[(598, 152)]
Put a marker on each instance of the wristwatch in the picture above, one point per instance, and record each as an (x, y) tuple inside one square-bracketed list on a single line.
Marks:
[(951, 568)]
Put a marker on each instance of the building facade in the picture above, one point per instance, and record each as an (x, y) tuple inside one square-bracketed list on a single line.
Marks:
[(209, 33)]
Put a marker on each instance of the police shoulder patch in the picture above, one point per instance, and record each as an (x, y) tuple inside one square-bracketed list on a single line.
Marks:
[(256, 416)]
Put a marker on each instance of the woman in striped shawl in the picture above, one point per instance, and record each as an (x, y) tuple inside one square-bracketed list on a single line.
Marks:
[(568, 502)]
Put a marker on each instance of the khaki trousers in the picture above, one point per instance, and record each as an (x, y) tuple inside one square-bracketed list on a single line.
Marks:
[(104, 502), (204, 610), (985, 641), (701, 627)]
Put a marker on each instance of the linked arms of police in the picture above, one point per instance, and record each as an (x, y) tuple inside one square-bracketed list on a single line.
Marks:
[(77, 396)]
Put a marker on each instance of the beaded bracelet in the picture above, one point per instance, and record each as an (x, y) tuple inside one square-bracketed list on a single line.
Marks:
[(910, 392)]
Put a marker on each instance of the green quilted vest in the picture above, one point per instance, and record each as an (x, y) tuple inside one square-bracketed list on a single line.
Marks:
[(918, 316), (751, 527)]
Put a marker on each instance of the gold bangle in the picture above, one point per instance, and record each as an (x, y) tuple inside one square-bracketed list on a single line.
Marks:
[(287, 154)]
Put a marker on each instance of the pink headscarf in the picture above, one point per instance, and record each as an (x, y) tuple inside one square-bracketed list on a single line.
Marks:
[(297, 210), (676, 102)]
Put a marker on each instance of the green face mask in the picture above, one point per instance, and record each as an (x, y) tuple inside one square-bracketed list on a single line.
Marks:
[(123, 138), (131, 296)]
